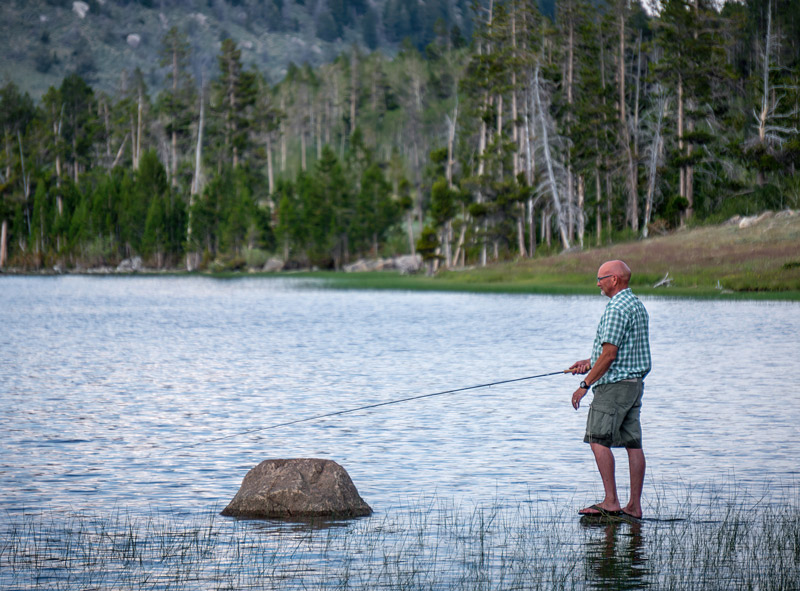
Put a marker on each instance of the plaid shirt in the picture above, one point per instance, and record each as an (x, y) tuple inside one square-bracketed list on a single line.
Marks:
[(624, 323)]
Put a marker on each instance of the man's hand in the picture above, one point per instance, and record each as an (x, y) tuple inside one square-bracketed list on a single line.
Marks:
[(577, 396), (581, 366)]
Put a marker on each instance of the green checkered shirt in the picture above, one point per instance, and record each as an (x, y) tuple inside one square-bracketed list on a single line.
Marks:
[(625, 323)]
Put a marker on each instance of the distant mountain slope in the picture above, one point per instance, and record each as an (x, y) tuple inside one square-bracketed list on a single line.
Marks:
[(43, 40)]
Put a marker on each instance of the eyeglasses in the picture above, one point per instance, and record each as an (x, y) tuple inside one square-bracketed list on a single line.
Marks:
[(599, 279)]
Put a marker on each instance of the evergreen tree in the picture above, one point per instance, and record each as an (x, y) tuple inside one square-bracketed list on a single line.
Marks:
[(288, 232), (329, 211), (376, 211), (81, 125), (369, 29), (178, 98), (692, 64), (42, 219), (16, 114), (235, 97)]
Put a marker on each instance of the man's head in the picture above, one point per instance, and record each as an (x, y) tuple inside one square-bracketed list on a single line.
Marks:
[(613, 277)]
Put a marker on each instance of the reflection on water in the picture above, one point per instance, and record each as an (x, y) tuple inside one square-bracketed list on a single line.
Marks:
[(615, 555)]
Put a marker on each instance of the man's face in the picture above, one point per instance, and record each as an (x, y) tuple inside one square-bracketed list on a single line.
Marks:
[(605, 281)]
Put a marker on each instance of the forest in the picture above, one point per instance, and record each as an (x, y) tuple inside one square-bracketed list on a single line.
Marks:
[(538, 134)]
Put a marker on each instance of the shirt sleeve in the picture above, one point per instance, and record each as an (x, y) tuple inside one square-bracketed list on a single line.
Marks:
[(612, 330)]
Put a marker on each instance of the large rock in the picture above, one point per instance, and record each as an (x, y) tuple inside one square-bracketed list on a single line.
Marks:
[(130, 265), (80, 8), (273, 265), (298, 488), (755, 219), (408, 264), (363, 265)]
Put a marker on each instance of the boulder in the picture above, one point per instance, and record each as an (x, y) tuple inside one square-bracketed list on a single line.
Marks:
[(363, 265), (133, 40), (297, 488), (408, 264), (747, 222), (130, 265), (734, 221), (273, 265), (80, 8)]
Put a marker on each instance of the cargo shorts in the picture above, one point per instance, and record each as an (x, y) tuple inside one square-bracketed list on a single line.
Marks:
[(613, 419)]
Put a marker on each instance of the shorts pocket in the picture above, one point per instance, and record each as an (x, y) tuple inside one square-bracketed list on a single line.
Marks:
[(600, 424)]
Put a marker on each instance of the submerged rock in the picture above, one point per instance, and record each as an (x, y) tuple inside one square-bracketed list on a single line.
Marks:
[(297, 488)]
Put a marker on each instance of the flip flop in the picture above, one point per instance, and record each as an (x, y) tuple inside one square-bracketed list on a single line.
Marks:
[(600, 512), (631, 516)]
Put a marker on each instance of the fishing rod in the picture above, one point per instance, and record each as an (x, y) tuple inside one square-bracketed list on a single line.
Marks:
[(366, 407)]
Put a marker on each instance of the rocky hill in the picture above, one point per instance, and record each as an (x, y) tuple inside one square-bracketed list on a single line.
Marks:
[(103, 40)]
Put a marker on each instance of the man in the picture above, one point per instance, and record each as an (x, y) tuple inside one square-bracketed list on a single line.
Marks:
[(620, 361)]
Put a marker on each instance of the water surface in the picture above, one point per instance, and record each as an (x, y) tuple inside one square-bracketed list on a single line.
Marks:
[(112, 389)]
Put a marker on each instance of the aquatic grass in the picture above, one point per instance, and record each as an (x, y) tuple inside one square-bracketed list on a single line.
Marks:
[(703, 538)]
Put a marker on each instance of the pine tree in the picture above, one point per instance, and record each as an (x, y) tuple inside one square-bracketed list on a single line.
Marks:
[(376, 212), (593, 134), (81, 125), (235, 97), (178, 97), (16, 114), (691, 66)]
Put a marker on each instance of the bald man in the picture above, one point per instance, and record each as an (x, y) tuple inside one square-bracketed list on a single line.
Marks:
[(620, 361)]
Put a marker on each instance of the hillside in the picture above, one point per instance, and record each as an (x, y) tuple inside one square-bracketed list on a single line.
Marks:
[(43, 40), (538, 136)]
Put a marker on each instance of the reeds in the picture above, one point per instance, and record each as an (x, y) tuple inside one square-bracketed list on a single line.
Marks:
[(428, 544)]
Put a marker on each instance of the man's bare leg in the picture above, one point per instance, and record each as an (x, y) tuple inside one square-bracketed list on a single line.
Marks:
[(637, 465), (604, 458)]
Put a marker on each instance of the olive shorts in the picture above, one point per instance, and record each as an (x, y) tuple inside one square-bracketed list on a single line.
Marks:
[(613, 419)]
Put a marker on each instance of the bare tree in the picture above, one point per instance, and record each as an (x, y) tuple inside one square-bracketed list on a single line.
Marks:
[(654, 153), (771, 116), (554, 180)]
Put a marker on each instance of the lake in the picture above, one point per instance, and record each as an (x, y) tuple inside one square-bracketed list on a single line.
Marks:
[(113, 389)]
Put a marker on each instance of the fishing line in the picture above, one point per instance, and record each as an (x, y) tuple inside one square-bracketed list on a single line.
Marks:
[(366, 407)]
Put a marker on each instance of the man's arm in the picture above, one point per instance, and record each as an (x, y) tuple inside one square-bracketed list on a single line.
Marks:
[(607, 357)]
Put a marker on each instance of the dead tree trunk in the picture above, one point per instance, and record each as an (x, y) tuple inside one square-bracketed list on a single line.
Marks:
[(3, 244), (549, 166)]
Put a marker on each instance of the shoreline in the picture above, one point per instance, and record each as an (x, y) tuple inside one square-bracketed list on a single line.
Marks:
[(755, 258), (393, 281)]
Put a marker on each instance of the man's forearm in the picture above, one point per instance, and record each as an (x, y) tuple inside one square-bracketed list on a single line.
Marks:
[(602, 364)]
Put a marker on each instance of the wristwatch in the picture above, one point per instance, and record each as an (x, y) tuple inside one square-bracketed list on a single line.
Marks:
[(584, 385)]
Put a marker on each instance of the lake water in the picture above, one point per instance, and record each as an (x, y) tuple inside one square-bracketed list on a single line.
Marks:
[(105, 381)]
